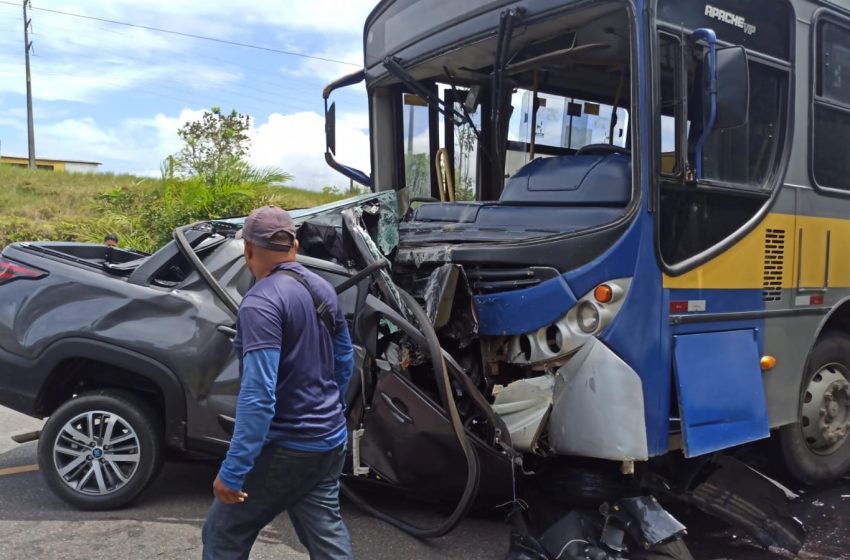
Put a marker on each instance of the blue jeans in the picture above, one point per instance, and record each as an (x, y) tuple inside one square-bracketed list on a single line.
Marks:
[(304, 484)]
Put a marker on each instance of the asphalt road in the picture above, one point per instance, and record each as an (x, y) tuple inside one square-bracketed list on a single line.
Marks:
[(166, 522)]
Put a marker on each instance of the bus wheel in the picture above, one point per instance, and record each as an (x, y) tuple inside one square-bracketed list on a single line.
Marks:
[(817, 448)]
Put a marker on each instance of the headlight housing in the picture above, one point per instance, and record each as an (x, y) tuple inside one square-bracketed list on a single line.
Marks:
[(587, 317)]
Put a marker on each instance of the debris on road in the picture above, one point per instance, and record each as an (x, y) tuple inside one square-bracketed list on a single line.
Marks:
[(628, 528), (742, 497)]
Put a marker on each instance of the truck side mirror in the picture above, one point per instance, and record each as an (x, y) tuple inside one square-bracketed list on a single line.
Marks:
[(733, 87)]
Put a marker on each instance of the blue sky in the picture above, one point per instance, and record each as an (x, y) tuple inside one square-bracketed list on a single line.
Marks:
[(117, 94)]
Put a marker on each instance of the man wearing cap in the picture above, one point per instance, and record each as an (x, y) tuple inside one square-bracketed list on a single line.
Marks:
[(288, 445)]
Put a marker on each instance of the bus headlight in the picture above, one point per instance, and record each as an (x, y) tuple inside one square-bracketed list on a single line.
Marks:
[(554, 343), (587, 317)]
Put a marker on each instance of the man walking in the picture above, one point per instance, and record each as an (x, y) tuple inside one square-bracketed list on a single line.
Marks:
[(288, 444)]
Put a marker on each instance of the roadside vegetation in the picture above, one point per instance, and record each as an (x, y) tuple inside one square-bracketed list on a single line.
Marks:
[(208, 178)]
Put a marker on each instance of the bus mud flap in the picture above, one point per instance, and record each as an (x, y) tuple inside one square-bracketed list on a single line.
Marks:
[(743, 498)]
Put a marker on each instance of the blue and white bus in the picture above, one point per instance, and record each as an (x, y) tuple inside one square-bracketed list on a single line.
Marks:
[(627, 221)]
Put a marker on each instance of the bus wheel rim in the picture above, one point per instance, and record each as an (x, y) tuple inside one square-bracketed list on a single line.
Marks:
[(825, 415)]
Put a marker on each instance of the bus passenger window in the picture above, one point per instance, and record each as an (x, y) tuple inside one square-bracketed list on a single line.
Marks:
[(831, 126)]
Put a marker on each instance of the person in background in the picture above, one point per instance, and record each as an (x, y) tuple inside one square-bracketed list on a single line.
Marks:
[(111, 240), (288, 444)]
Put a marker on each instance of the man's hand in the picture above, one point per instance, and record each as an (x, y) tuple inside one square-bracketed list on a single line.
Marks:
[(226, 494)]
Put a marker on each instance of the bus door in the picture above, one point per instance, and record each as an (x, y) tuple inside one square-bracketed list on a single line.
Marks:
[(720, 189)]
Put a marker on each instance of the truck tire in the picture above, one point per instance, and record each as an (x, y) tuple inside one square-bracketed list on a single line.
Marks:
[(816, 449), (99, 451)]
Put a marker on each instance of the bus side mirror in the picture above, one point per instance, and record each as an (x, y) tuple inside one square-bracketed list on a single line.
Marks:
[(733, 88), (330, 129)]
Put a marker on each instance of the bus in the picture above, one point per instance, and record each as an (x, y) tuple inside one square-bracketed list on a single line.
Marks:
[(627, 219)]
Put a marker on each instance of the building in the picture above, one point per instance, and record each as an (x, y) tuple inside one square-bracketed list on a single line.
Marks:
[(59, 165)]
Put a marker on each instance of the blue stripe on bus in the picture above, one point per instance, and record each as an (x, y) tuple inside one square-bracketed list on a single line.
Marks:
[(522, 311)]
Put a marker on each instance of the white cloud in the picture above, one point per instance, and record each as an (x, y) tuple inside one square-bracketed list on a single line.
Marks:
[(296, 144), (136, 145)]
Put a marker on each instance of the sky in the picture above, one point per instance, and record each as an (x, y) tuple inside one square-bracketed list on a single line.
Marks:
[(117, 94)]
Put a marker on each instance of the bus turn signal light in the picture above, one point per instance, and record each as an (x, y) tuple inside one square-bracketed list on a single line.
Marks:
[(603, 293), (767, 362)]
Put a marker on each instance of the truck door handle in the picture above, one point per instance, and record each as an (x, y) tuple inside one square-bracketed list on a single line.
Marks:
[(226, 330), (396, 410)]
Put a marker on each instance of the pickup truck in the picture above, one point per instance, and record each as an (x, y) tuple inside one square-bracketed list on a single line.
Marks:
[(129, 356)]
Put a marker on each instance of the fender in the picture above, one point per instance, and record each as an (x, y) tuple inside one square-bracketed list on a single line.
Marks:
[(173, 392), (842, 306)]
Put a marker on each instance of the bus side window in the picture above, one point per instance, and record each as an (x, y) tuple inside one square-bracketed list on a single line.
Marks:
[(831, 100)]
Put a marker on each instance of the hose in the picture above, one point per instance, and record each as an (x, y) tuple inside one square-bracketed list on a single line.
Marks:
[(473, 467)]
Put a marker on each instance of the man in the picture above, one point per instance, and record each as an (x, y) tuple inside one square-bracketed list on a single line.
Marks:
[(111, 240), (288, 444)]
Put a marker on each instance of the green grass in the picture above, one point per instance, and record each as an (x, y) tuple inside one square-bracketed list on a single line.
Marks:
[(39, 205)]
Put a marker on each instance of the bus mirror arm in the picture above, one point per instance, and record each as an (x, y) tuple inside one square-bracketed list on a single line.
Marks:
[(711, 70), (727, 86), (330, 129)]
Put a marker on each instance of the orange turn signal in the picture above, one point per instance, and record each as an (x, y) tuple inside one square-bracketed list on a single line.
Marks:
[(767, 362), (603, 293)]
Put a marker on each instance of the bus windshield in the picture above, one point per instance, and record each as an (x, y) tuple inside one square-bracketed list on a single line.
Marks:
[(555, 88)]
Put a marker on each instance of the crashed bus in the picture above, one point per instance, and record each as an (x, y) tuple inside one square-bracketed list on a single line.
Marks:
[(626, 222)]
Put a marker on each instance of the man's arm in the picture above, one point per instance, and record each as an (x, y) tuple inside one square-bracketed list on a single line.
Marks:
[(254, 413), (343, 359)]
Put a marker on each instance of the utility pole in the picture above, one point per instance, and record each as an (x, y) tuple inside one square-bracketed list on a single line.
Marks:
[(27, 49)]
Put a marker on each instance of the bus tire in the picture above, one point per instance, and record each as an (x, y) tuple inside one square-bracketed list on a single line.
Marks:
[(816, 448)]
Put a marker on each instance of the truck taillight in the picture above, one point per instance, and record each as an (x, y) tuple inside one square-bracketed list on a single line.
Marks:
[(10, 271)]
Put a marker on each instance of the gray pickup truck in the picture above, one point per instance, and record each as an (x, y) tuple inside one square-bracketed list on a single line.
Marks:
[(129, 356)]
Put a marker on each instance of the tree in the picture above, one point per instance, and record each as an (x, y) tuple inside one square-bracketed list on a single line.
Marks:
[(215, 147)]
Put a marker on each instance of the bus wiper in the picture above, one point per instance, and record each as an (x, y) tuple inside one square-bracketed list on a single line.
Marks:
[(394, 68), (507, 20)]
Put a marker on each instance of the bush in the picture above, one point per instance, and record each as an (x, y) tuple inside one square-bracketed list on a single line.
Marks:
[(145, 219)]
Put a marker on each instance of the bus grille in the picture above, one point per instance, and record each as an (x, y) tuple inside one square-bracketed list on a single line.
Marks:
[(774, 264)]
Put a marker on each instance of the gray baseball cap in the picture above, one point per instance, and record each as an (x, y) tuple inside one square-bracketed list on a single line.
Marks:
[(263, 224)]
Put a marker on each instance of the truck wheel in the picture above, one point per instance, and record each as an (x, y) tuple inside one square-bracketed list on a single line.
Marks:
[(100, 450), (817, 448)]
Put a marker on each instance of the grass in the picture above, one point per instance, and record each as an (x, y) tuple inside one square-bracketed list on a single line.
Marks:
[(39, 205)]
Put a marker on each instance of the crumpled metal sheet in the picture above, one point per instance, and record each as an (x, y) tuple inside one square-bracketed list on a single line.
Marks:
[(654, 524), (439, 294)]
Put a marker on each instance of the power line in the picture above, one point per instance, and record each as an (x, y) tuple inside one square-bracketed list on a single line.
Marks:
[(189, 35)]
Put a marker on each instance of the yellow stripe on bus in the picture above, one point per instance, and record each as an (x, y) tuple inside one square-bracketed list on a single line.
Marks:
[(742, 266)]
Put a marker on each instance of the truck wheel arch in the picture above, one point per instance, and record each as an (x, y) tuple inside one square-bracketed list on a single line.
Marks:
[(151, 372)]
